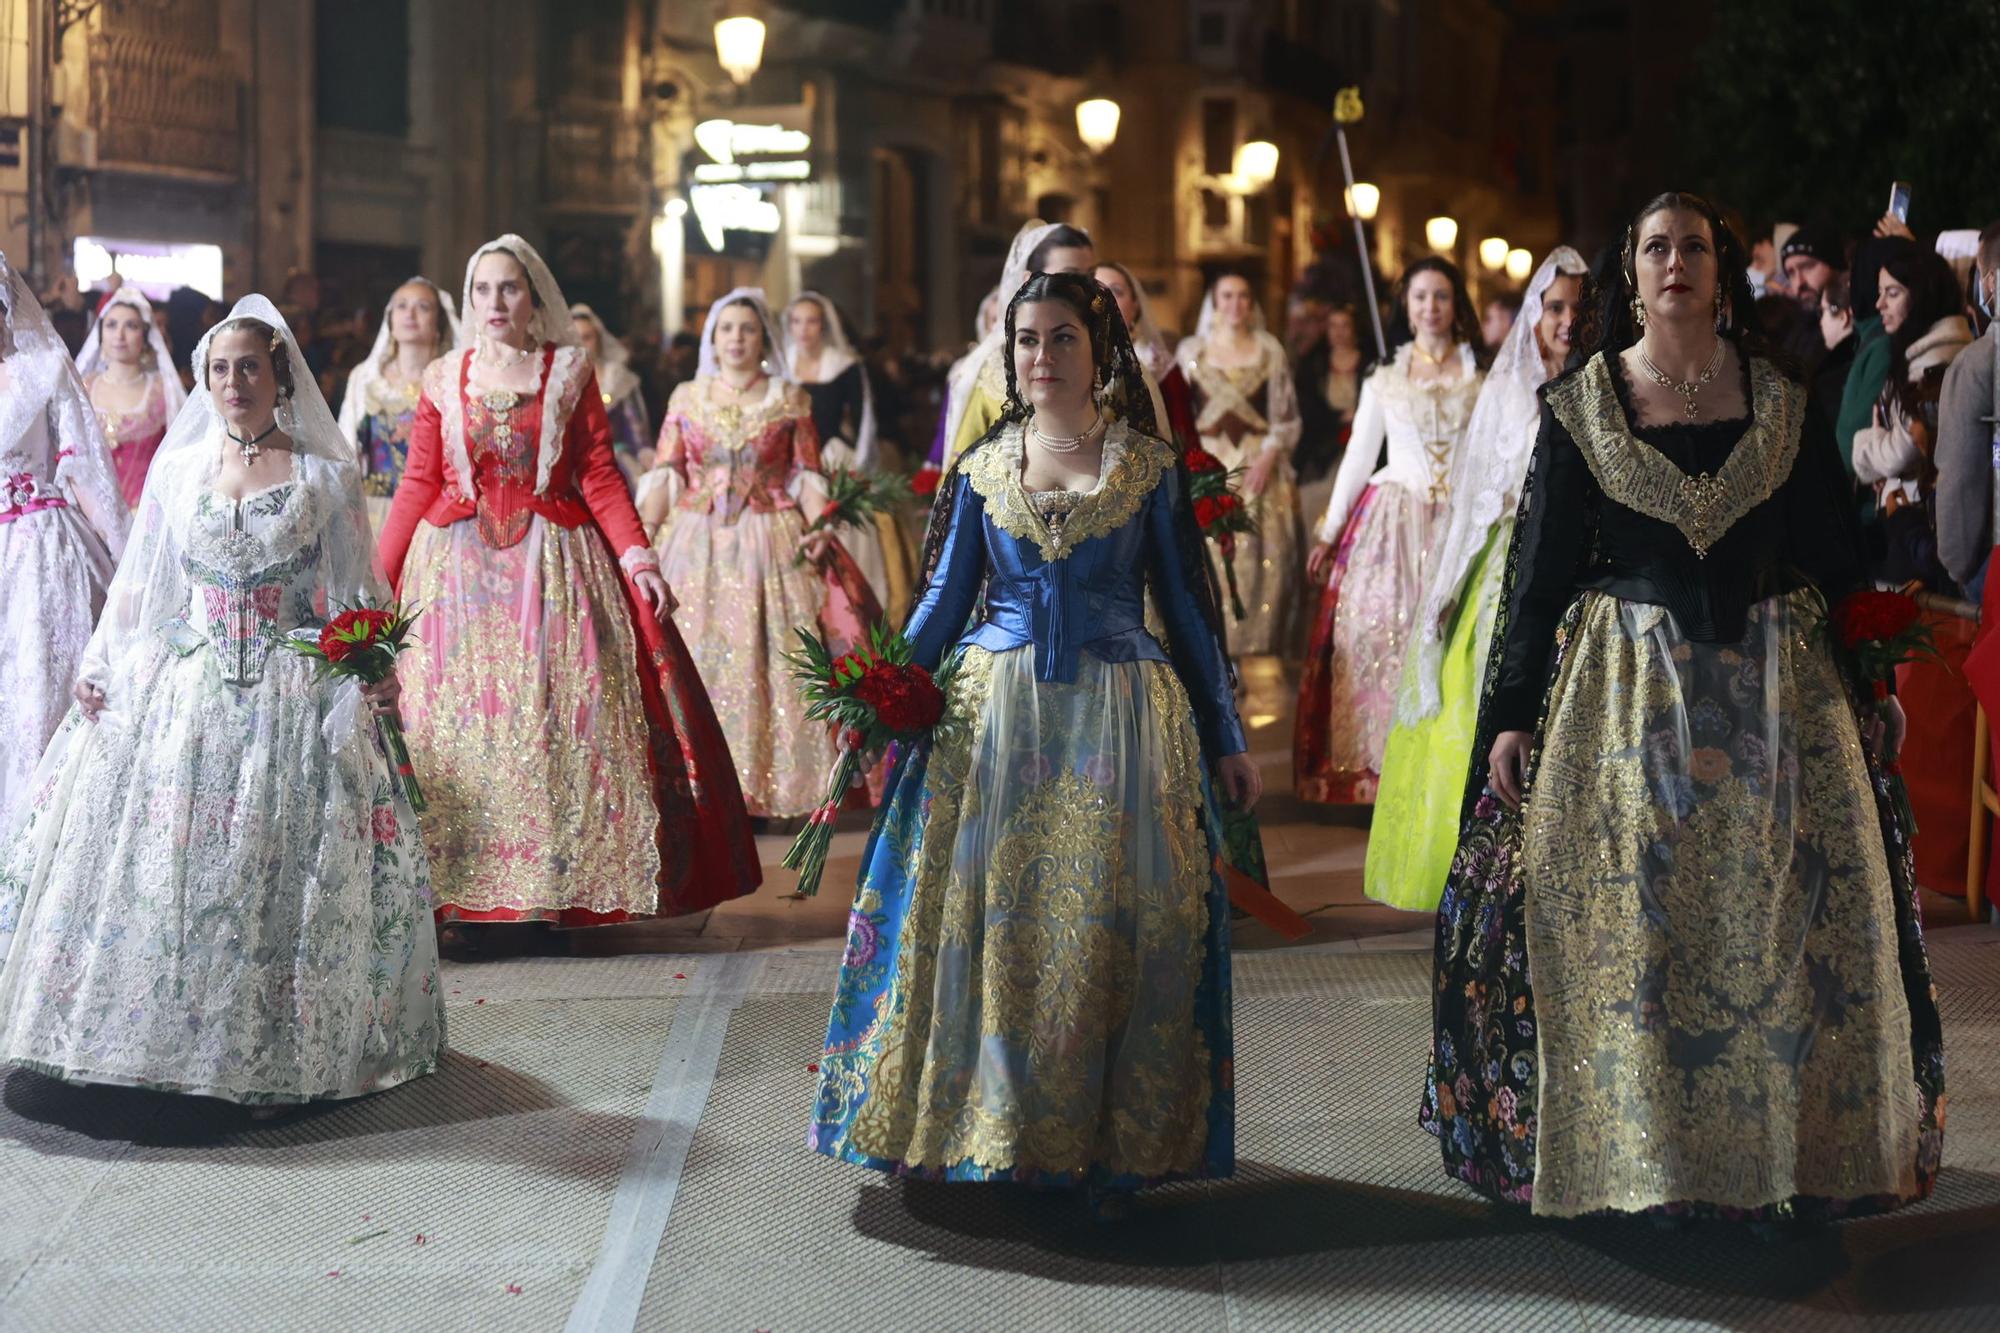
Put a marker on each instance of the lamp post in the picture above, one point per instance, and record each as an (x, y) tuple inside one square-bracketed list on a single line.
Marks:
[(1362, 201), (1493, 253), (1520, 264), (1442, 233), (1097, 123), (739, 46)]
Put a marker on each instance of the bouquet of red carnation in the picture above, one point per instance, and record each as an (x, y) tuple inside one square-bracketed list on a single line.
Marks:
[(925, 484), (1883, 630), (871, 696), (853, 500), (361, 643), (1220, 512)]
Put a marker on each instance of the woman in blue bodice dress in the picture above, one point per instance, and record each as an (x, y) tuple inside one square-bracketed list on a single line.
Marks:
[(1036, 984)]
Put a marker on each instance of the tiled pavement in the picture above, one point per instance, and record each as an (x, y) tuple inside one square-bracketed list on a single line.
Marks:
[(615, 1143)]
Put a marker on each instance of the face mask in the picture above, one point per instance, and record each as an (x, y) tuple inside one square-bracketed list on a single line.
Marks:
[(1982, 293)]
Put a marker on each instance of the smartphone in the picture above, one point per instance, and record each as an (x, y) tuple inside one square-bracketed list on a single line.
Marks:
[(1899, 201)]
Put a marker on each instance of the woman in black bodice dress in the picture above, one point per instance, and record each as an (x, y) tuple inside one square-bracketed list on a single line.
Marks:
[(1679, 966)]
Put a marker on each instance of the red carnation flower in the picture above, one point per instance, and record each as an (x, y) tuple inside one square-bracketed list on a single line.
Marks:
[(335, 648), (858, 660), (1201, 460), (925, 483), (904, 698), (1228, 502), (1206, 511), (1875, 617)]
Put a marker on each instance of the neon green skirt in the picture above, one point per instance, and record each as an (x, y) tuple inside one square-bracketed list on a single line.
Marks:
[(1415, 832)]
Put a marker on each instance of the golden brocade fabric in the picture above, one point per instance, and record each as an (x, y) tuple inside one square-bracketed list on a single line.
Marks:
[(1635, 474), (1041, 1016), (1131, 469), (1710, 925), (528, 727)]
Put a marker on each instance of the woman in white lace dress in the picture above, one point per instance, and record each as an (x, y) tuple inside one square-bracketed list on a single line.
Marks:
[(218, 886), (62, 527)]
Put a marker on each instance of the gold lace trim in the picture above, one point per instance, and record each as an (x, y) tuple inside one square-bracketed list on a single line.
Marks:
[(1133, 464), (1635, 474)]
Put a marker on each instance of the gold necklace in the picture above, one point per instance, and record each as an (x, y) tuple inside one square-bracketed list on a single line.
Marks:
[(1424, 352), (1687, 389)]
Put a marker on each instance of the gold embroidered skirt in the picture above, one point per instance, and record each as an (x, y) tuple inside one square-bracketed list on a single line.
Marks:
[(1710, 926), (528, 730), (1036, 979)]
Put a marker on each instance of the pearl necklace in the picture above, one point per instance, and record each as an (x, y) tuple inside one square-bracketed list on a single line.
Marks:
[(1687, 389), (518, 354), (1064, 444)]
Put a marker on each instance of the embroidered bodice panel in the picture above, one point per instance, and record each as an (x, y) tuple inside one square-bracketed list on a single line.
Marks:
[(739, 457), (389, 410), (144, 424), (253, 575), (1406, 433), (1706, 520), (503, 435)]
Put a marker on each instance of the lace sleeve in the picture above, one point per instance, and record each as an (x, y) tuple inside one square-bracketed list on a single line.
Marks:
[(1550, 544), (1364, 452), (83, 462)]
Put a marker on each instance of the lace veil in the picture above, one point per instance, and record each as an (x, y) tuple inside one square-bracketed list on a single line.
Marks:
[(1485, 481), (354, 403), (837, 353), (90, 361), (615, 377), (551, 322), (43, 380), (151, 587), (775, 364)]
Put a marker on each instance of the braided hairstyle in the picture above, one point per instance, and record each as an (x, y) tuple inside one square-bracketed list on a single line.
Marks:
[(1123, 395)]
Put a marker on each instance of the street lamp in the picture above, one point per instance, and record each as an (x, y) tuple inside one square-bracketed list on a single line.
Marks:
[(1520, 264), (1493, 253), (1097, 123), (1363, 200), (739, 46), (1256, 165), (1442, 233)]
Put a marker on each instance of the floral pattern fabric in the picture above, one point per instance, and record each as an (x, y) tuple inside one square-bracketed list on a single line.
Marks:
[(218, 887)]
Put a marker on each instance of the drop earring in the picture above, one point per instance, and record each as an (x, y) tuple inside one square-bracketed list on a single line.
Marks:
[(1638, 312)]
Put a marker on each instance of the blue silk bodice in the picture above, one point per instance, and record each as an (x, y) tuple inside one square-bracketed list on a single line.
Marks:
[(1080, 587)]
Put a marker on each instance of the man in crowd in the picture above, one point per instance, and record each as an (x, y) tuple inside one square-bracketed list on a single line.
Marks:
[(1812, 260), (1968, 443)]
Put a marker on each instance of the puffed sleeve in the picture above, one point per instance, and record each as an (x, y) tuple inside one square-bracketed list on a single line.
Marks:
[(947, 602), (661, 485), (1550, 543), (1358, 464), (587, 439), (423, 478), (1198, 656)]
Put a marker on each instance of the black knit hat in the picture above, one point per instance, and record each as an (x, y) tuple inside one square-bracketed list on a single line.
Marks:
[(1821, 243)]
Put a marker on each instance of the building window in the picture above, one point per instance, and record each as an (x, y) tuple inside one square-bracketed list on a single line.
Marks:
[(1218, 135), (361, 66)]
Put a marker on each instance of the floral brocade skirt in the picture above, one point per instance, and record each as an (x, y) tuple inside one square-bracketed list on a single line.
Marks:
[(1730, 1009), (1036, 983), (1354, 659), (564, 785), (744, 597)]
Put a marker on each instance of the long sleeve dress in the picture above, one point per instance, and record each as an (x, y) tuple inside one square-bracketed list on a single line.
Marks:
[(1384, 523), (379, 416), (1241, 414), (219, 888), (733, 474), (1688, 974), (575, 769), (62, 528), (1036, 981)]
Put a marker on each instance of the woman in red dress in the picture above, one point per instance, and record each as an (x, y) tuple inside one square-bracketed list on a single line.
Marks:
[(575, 770)]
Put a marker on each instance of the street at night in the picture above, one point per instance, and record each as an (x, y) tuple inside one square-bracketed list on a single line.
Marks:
[(794, 665)]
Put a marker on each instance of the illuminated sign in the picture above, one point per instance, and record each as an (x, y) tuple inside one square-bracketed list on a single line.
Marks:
[(154, 267), (766, 144), (722, 208)]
